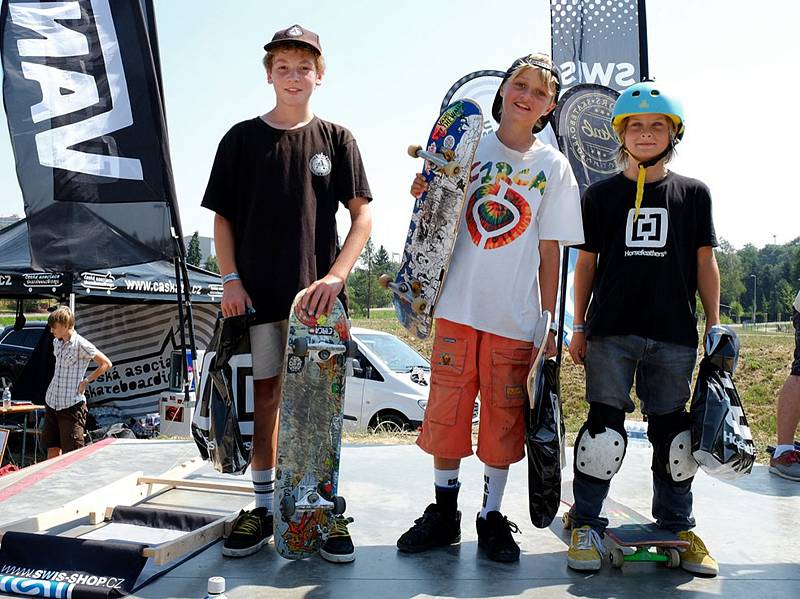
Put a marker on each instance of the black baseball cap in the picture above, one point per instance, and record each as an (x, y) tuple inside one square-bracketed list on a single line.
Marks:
[(497, 105), (295, 33)]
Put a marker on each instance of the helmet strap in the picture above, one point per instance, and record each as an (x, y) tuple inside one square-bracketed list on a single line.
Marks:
[(643, 166)]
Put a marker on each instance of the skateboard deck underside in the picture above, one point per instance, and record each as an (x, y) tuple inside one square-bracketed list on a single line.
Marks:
[(310, 433), (436, 218)]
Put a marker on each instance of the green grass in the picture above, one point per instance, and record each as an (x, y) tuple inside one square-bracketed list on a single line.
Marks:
[(763, 367), (8, 320)]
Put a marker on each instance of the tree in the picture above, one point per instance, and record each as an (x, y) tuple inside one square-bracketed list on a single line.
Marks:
[(211, 264), (784, 298), (381, 262), (193, 254), (731, 286)]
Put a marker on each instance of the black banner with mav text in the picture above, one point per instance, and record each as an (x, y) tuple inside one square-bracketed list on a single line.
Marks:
[(87, 125)]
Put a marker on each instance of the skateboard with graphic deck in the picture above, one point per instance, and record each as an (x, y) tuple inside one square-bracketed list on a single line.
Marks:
[(310, 430), (436, 217), (634, 538)]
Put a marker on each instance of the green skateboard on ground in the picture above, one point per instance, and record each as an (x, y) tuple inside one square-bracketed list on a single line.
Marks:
[(634, 537)]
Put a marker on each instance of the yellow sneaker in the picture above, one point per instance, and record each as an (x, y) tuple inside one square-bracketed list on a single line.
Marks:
[(695, 557), (585, 550)]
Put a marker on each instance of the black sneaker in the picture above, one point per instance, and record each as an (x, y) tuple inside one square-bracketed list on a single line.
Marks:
[(434, 529), (494, 535), (250, 532), (338, 547)]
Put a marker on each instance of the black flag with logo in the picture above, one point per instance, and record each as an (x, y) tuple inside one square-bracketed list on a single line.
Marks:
[(87, 125)]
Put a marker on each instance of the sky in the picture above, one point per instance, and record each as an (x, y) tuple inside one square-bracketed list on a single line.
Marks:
[(390, 64)]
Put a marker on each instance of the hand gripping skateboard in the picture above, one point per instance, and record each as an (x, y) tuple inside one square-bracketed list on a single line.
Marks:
[(437, 215), (310, 433), (633, 537)]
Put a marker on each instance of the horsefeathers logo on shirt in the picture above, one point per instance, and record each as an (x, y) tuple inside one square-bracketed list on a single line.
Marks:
[(320, 164), (648, 231)]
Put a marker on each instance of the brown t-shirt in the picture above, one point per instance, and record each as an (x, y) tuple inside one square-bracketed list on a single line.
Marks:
[(280, 189)]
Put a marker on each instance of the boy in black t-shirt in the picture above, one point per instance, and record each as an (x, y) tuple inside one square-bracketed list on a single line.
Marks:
[(648, 251), (275, 186)]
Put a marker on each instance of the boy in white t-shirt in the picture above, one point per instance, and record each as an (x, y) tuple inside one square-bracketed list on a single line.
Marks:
[(521, 203)]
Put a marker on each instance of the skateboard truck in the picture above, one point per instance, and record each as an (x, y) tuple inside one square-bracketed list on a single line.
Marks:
[(451, 169), (407, 291), (308, 497), (321, 351)]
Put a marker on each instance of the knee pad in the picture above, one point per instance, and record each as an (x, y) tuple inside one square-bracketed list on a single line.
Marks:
[(672, 447), (600, 447)]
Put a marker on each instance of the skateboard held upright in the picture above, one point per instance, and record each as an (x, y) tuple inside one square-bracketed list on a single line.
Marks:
[(310, 433), (437, 215)]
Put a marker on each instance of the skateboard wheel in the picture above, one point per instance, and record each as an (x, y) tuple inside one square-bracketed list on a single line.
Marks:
[(566, 520), (339, 505), (413, 150), (617, 557), (287, 506), (384, 281), (300, 346), (350, 349), (674, 558), (419, 305), (452, 169)]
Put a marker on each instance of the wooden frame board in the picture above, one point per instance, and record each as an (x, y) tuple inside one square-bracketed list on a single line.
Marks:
[(134, 489)]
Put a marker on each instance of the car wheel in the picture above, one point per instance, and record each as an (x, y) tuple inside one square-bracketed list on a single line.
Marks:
[(389, 423)]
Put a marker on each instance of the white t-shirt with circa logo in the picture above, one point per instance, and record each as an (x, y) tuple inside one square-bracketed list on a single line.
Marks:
[(514, 199)]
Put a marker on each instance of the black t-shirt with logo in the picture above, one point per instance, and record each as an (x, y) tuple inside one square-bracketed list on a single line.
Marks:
[(280, 189), (646, 279)]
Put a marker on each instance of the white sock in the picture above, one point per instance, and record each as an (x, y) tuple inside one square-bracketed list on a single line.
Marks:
[(781, 449), (445, 478), (264, 487), (494, 484)]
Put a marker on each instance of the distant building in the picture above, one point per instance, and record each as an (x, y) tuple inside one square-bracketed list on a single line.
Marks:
[(206, 246), (6, 221)]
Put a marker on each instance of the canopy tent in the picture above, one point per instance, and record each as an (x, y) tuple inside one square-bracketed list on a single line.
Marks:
[(151, 282), (128, 312)]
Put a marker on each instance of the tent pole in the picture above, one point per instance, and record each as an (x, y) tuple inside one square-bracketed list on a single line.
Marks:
[(177, 232), (562, 303), (72, 302)]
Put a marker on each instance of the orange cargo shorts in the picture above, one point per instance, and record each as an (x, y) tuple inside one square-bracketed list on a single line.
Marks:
[(464, 362)]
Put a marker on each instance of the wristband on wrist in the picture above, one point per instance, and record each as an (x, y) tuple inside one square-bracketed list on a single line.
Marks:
[(578, 328), (554, 327), (231, 276)]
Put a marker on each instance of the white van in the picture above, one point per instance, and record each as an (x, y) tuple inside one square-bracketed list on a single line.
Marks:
[(388, 389)]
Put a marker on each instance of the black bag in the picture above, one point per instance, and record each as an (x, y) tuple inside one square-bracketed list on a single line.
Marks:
[(721, 440), (545, 445), (215, 425)]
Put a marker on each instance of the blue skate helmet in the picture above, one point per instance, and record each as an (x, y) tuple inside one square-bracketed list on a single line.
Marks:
[(646, 98)]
